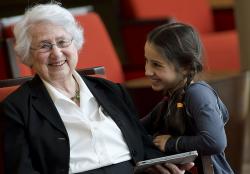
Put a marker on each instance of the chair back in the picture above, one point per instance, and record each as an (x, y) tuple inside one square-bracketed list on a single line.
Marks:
[(98, 48), (17, 69), (234, 92), (222, 52), (194, 12)]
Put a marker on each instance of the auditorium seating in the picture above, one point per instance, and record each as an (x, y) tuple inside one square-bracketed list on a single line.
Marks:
[(221, 48)]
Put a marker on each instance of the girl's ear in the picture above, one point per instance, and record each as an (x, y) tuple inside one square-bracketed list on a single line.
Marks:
[(184, 71)]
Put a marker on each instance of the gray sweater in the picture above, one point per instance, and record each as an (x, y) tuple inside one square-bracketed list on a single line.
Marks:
[(206, 117)]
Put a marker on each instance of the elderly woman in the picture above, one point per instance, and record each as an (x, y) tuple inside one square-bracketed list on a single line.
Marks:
[(60, 122)]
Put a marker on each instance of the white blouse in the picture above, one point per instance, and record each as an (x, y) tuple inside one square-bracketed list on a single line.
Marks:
[(95, 139)]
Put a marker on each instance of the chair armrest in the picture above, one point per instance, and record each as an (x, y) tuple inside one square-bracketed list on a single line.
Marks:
[(20, 80), (100, 70), (14, 82)]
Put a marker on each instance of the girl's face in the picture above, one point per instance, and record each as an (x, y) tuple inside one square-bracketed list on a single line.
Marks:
[(53, 53), (161, 72)]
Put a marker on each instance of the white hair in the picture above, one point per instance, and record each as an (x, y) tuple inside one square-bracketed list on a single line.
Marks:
[(51, 12)]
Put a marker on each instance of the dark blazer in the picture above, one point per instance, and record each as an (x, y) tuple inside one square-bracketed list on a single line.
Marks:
[(36, 140)]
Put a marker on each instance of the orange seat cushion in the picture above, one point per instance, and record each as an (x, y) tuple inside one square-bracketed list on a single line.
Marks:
[(4, 92)]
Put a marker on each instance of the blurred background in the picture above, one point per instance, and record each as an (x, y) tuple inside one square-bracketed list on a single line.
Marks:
[(116, 31)]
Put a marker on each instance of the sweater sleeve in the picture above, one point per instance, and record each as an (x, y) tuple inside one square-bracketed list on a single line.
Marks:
[(210, 137)]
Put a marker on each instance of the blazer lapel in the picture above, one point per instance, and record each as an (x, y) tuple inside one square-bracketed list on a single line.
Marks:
[(44, 104), (104, 99)]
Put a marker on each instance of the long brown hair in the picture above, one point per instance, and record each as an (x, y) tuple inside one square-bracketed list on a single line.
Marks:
[(180, 44)]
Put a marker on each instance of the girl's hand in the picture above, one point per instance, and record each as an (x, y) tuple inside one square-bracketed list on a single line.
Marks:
[(160, 141)]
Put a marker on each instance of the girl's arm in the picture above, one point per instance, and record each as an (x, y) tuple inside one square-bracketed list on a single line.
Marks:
[(209, 136)]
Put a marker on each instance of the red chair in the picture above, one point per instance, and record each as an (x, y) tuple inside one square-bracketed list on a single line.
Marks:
[(17, 69), (221, 48), (195, 12), (98, 48), (134, 35)]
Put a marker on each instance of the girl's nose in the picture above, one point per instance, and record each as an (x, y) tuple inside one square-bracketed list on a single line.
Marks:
[(148, 70)]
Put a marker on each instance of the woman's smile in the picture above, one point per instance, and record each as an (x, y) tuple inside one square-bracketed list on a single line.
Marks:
[(58, 63)]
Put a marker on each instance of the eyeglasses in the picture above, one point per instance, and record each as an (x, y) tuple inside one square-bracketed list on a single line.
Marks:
[(46, 46)]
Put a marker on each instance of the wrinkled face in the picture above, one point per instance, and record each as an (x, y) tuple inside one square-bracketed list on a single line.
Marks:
[(53, 55), (161, 72)]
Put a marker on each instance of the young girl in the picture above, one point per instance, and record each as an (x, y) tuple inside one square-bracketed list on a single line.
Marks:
[(191, 116)]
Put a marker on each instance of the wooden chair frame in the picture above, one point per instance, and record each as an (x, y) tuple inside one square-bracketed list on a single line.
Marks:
[(98, 70)]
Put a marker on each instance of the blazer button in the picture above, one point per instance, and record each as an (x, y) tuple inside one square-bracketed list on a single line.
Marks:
[(133, 152)]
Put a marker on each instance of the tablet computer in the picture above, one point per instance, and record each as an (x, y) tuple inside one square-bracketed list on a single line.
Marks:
[(180, 158)]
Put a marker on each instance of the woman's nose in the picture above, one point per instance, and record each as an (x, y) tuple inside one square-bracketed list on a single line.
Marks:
[(56, 51)]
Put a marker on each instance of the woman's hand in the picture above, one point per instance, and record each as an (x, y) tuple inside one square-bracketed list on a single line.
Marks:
[(168, 168), (160, 141)]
